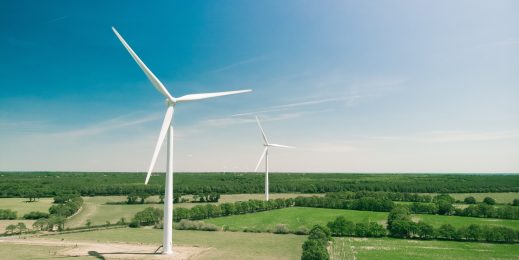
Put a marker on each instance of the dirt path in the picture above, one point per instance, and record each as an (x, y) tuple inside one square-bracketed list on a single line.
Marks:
[(110, 250), (80, 218)]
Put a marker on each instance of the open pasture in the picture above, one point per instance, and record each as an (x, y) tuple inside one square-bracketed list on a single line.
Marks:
[(300, 216), (390, 248), (99, 211), (22, 206)]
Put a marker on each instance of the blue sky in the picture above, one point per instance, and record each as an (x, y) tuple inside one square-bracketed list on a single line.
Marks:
[(357, 86)]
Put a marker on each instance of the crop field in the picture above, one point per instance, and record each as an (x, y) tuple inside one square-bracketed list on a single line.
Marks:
[(299, 216), (395, 249), (226, 245)]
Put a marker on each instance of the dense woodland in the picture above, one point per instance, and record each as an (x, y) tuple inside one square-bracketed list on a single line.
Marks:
[(48, 184)]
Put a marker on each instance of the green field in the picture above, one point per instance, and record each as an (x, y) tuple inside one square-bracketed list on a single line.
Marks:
[(395, 249), (14, 251), (227, 245), (500, 197), (299, 216), (98, 211), (21, 206)]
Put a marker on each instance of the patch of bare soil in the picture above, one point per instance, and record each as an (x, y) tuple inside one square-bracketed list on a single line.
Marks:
[(112, 250)]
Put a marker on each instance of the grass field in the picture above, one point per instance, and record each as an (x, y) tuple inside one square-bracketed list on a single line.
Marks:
[(227, 245), (298, 216), (21, 206), (96, 209), (395, 249), (500, 197)]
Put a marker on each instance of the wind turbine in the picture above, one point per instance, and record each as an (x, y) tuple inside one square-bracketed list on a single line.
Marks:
[(266, 155), (167, 129)]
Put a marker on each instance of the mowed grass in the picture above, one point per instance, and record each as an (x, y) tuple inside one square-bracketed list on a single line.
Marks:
[(99, 212), (395, 249), (300, 216), (21, 206), (225, 245)]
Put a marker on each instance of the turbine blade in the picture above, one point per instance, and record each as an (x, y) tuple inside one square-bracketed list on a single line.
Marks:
[(192, 97), (282, 146), (262, 132), (154, 80), (261, 158), (163, 131)]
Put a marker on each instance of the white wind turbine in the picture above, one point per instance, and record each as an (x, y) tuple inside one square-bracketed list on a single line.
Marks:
[(167, 128), (266, 155)]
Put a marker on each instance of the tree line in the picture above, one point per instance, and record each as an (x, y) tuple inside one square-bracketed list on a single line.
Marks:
[(34, 185), (441, 204)]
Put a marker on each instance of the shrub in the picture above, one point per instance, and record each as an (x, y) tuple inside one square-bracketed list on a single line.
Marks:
[(314, 250), (7, 214), (302, 230), (470, 200), (36, 215), (281, 229), (196, 225), (149, 216), (134, 224), (489, 201)]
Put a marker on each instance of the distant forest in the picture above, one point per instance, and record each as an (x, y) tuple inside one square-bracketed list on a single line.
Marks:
[(49, 184)]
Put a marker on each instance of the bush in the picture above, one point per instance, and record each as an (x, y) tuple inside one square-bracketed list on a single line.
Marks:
[(470, 200), (515, 202), (196, 225), (134, 224), (320, 233), (489, 201), (35, 215), (302, 230), (341, 227), (314, 250), (149, 216), (7, 214), (281, 229)]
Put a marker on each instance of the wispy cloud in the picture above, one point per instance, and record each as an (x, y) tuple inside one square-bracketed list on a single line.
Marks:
[(110, 125), (294, 105), (240, 63), (451, 136), (225, 121)]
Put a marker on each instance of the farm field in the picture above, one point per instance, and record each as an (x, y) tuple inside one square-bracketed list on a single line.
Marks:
[(98, 211), (395, 249), (299, 216), (226, 245)]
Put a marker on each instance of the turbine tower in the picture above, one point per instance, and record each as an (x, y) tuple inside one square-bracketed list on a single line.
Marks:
[(265, 154), (167, 129)]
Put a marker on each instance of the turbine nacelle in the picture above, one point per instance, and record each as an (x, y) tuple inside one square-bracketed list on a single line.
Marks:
[(266, 144)]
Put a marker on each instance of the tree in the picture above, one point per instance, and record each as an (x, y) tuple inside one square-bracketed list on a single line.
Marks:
[(473, 232), (470, 200), (148, 216), (447, 231), (515, 202), (402, 228), (88, 223), (444, 197), (489, 201), (35, 215), (341, 227), (398, 213), (132, 198), (314, 250), (320, 233), (445, 207), (376, 230), (180, 213), (21, 227), (424, 230), (40, 224), (10, 229)]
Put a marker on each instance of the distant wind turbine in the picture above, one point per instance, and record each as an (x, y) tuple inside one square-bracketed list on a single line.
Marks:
[(167, 128), (266, 155)]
